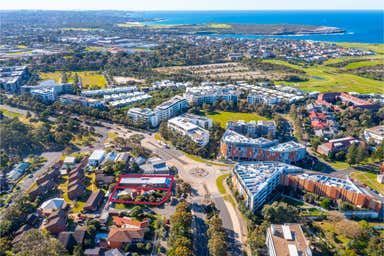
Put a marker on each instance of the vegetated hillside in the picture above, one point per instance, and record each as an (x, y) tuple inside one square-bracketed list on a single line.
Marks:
[(375, 72)]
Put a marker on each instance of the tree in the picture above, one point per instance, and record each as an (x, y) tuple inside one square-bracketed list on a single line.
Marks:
[(361, 153), (325, 203), (35, 243), (280, 212), (351, 154)]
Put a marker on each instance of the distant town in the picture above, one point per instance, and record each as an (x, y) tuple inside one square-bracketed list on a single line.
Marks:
[(119, 138)]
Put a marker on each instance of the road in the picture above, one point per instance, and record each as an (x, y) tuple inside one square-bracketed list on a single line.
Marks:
[(202, 185)]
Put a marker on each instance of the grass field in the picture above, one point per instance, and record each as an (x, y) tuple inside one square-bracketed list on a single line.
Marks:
[(220, 185), (369, 179), (201, 160), (378, 48), (223, 117), (364, 64), (10, 114), (324, 79), (89, 79)]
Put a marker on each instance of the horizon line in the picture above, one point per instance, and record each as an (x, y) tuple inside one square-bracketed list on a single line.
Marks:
[(191, 10)]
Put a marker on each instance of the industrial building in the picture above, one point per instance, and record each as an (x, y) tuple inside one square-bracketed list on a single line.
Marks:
[(255, 181)]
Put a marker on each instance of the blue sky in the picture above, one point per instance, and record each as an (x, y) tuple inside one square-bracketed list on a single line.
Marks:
[(190, 4)]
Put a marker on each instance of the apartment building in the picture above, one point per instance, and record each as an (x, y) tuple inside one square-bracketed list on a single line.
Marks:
[(144, 115), (202, 121), (209, 94), (253, 128), (255, 181), (170, 108), (375, 133), (270, 95), (287, 239), (84, 101), (126, 99), (238, 147), (102, 92), (185, 127), (333, 188), (12, 78)]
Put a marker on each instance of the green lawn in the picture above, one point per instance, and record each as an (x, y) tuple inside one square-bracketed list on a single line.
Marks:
[(360, 64), (89, 79), (223, 117), (202, 160), (369, 179), (10, 114), (339, 165), (219, 183), (324, 78)]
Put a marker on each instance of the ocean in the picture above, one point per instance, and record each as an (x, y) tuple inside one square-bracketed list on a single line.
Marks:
[(360, 26)]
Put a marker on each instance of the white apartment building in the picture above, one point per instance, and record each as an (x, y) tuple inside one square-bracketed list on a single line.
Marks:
[(144, 114), (253, 128), (171, 108), (210, 94), (201, 121), (375, 133), (183, 126), (101, 92), (255, 181)]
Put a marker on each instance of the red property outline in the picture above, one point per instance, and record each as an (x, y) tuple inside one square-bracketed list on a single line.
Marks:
[(118, 186)]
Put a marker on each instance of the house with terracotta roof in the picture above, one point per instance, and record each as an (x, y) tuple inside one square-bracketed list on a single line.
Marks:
[(128, 222), (119, 236)]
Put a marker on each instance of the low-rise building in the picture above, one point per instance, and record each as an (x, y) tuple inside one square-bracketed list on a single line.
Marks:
[(155, 165), (94, 201), (270, 95), (125, 99), (183, 126), (253, 129), (121, 236), (18, 171), (255, 181), (336, 145), (110, 91), (287, 239), (374, 133), (56, 222), (96, 157)]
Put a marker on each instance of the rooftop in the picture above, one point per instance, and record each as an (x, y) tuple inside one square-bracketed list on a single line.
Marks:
[(234, 137), (97, 154), (331, 181), (171, 102), (289, 240), (255, 175)]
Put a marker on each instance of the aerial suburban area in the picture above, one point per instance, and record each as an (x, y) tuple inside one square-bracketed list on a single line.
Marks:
[(130, 133)]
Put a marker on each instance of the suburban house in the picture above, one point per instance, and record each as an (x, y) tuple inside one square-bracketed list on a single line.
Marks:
[(336, 145), (120, 236)]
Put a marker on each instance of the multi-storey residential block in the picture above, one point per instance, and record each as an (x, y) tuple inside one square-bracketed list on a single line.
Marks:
[(375, 133), (102, 92), (287, 239), (201, 121), (253, 129), (84, 101), (144, 115), (125, 99), (241, 148), (12, 78), (185, 127), (332, 187), (270, 96), (170, 108), (255, 181), (210, 94), (48, 91)]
